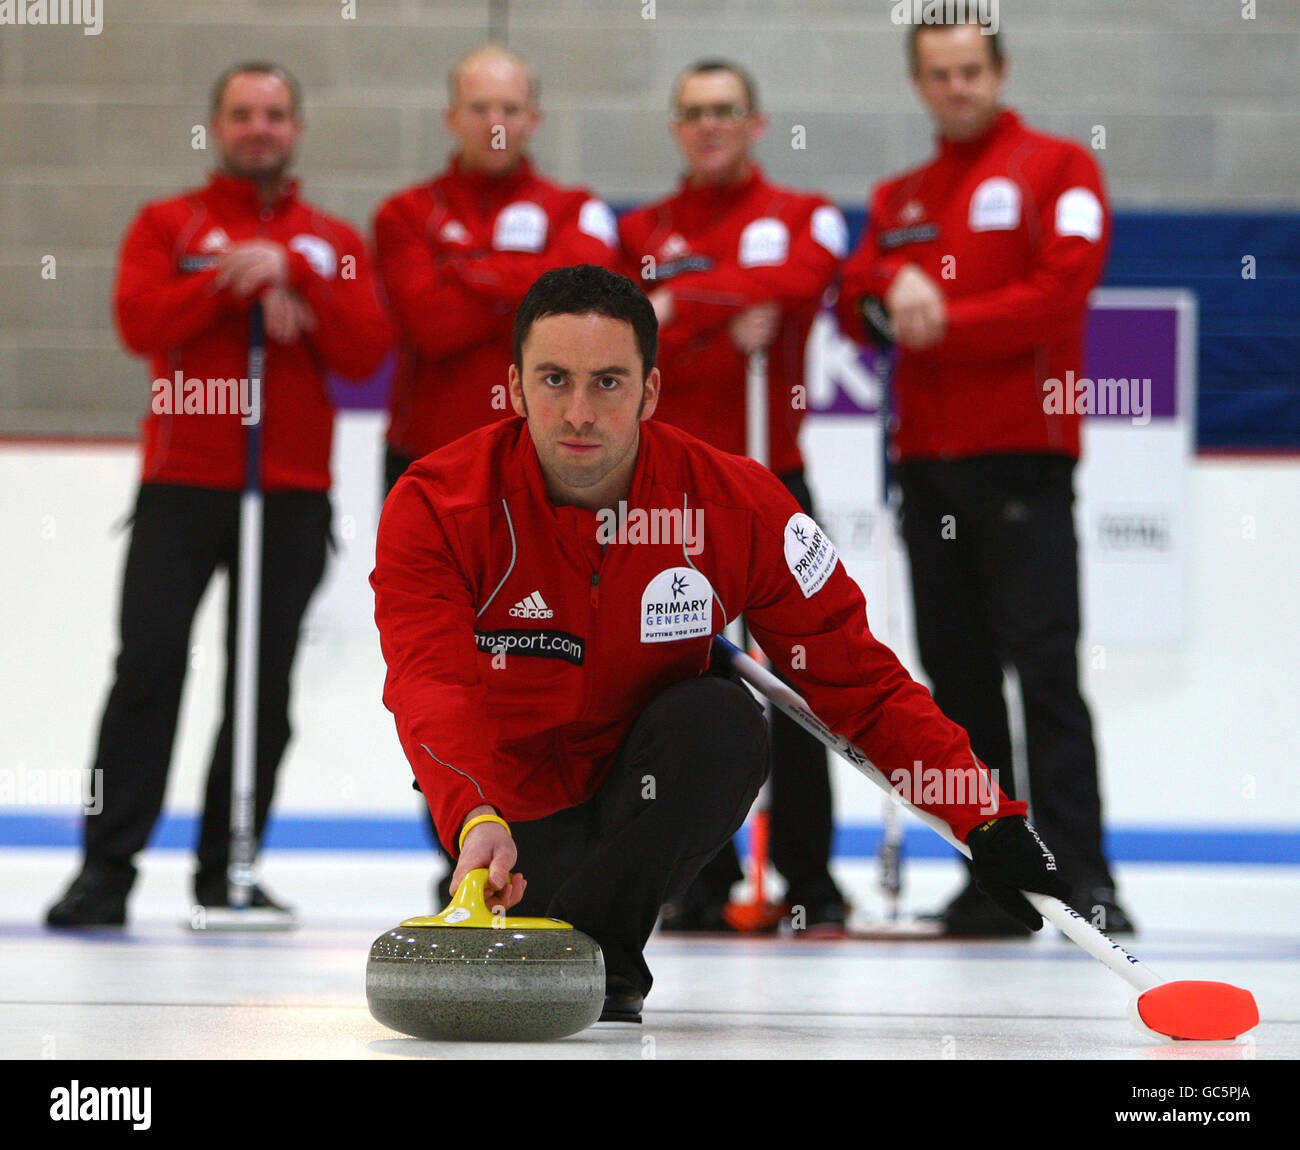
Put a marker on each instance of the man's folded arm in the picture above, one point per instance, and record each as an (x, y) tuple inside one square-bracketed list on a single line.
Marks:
[(1044, 305), (584, 234), (157, 306), (352, 333), (433, 310), (794, 278)]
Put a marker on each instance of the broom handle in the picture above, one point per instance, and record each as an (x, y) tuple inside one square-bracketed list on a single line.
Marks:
[(1072, 925), (243, 797), (757, 447)]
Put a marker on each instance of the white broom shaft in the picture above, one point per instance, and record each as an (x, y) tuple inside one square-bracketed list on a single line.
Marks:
[(244, 784), (1074, 927), (757, 448), (890, 856), (1106, 951), (244, 752), (757, 432), (891, 838)]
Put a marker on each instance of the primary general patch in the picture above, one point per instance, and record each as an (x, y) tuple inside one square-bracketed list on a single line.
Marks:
[(676, 604), (809, 554)]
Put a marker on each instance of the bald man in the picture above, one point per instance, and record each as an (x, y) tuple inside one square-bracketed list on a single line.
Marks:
[(457, 253)]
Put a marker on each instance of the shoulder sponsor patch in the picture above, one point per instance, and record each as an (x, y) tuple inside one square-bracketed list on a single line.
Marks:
[(696, 263), (536, 644), (595, 219), (319, 253), (520, 227), (830, 230), (1079, 213), (676, 604), (198, 263), (995, 206), (809, 554), (764, 243), (912, 234)]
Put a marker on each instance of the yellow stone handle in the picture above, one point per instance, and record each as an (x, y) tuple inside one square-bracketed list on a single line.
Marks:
[(468, 907)]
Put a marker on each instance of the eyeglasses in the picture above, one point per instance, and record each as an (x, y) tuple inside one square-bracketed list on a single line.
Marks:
[(694, 113)]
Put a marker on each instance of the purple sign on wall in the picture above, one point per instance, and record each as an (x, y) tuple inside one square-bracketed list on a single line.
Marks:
[(1136, 344), (369, 395)]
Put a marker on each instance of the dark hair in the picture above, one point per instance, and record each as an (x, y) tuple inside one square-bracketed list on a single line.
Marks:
[(914, 30), (257, 68), (717, 64), (589, 290)]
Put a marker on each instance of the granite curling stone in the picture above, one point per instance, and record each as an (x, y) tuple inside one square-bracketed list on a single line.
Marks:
[(469, 975)]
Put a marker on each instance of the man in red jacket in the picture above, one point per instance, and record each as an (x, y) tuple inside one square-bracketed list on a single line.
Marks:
[(191, 270), (978, 265), (547, 590), (457, 253), (736, 267)]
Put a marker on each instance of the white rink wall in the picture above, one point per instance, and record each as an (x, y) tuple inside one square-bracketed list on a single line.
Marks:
[(1201, 736)]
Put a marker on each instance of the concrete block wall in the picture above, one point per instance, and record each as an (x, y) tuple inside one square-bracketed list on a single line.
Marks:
[(1199, 106)]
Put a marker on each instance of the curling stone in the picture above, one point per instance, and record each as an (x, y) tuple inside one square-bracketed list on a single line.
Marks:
[(472, 975)]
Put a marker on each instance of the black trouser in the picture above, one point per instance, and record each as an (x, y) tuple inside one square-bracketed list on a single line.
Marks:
[(681, 786), (394, 465), (995, 582), (801, 819), (179, 537)]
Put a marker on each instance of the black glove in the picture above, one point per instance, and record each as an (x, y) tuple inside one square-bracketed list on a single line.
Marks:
[(880, 328), (1007, 856)]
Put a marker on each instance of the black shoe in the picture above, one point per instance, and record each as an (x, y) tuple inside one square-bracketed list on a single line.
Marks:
[(972, 914), (1097, 905), (219, 896), (623, 1001), (705, 918), (823, 920), (93, 899)]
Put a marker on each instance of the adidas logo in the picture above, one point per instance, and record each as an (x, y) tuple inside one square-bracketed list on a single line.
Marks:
[(454, 232), (534, 607), (673, 247)]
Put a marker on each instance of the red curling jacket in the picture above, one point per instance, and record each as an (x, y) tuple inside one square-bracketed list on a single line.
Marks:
[(1014, 228), (456, 256), (167, 309), (520, 650), (721, 250)]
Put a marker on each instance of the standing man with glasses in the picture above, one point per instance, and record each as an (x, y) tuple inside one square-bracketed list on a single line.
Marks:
[(735, 265)]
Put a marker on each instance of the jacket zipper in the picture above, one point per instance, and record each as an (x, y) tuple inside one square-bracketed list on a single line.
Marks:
[(589, 663)]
